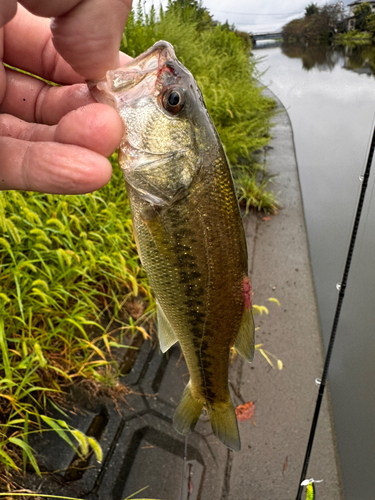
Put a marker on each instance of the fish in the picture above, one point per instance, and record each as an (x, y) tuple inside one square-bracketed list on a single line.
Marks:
[(187, 227)]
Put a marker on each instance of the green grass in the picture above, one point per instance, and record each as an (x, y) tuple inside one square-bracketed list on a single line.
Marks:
[(253, 190), (68, 264), (30, 494), (353, 38)]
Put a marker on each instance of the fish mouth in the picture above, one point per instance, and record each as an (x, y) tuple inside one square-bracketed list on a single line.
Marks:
[(146, 67)]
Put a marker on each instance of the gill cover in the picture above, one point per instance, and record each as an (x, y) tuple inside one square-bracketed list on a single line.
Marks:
[(167, 127)]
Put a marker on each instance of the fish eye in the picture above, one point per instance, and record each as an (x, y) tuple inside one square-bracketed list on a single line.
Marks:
[(174, 100)]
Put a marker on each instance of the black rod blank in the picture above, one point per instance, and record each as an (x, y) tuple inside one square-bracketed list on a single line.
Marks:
[(337, 314)]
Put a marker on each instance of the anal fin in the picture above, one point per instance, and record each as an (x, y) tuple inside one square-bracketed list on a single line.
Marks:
[(166, 335), (187, 413), (244, 343)]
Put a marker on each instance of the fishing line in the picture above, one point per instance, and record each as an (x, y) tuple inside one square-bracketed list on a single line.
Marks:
[(364, 222), (185, 477), (341, 287), (364, 231)]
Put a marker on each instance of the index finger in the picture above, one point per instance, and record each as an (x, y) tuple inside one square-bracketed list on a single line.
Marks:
[(86, 33)]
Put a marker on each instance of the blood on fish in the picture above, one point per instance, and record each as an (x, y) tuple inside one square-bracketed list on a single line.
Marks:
[(247, 292), (165, 69)]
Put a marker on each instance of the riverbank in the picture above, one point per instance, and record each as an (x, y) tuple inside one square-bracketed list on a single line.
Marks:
[(270, 464)]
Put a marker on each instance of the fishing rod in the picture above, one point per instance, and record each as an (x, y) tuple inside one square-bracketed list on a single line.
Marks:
[(341, 287)]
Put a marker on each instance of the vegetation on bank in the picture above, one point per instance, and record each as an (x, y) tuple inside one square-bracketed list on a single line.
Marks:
[(364, 18), (364, 32), (353, 38), (68, 264), (327, 24)]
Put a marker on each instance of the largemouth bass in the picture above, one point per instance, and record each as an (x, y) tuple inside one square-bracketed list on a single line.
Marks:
[(187, 227)]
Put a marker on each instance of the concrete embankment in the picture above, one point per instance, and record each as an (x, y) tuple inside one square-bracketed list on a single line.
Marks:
[(269, 465)]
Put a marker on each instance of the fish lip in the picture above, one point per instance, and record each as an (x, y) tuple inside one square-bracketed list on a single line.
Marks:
[(133, 72)]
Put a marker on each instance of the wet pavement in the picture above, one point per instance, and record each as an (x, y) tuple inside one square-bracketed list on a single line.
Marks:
[(141, 448)]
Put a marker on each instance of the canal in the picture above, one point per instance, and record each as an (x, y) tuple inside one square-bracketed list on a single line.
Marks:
[(330, 97)]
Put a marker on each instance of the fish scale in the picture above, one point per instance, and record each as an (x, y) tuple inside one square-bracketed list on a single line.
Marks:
[(187, 227)]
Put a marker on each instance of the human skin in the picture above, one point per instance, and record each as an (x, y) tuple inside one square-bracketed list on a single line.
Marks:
[(57, 139)]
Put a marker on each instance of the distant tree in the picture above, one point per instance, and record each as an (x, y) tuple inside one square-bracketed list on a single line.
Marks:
[(227, 26), (193, 10), (317, 28), (360, 14), (294, 30), (335, 13), (318, 25), (370, 24), (245, 37), (313, 28), (311, 9)]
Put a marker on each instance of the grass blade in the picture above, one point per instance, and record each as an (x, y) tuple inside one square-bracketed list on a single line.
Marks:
[(27, 449), (25, 438), (5, 458), (4, 351), (57, 428)]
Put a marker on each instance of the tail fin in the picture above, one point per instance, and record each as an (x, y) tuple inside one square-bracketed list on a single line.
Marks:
[(224, 424), (187, 413), (223, 419)]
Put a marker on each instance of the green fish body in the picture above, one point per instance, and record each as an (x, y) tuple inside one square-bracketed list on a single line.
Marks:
[(187, 226)]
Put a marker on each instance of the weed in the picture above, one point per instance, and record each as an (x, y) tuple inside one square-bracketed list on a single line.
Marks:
[(63, 260), (252, 191)]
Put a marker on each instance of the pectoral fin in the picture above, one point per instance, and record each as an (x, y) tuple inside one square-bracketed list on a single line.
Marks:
[(244, 343), (166, 335), (137, 243)]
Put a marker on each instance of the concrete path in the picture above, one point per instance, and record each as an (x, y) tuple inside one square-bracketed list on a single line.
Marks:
[(269, 465)]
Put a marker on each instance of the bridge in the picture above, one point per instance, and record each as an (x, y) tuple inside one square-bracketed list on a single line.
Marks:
[(265, 36)]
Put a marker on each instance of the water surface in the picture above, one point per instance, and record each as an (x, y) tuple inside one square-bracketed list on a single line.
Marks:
[(330, 98)]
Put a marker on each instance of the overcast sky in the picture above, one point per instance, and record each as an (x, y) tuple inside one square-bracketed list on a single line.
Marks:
[(256, 16)]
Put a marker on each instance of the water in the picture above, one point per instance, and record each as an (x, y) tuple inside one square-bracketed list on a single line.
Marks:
[(330, 98)]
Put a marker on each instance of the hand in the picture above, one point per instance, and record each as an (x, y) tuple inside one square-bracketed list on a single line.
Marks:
[(56, 139)]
